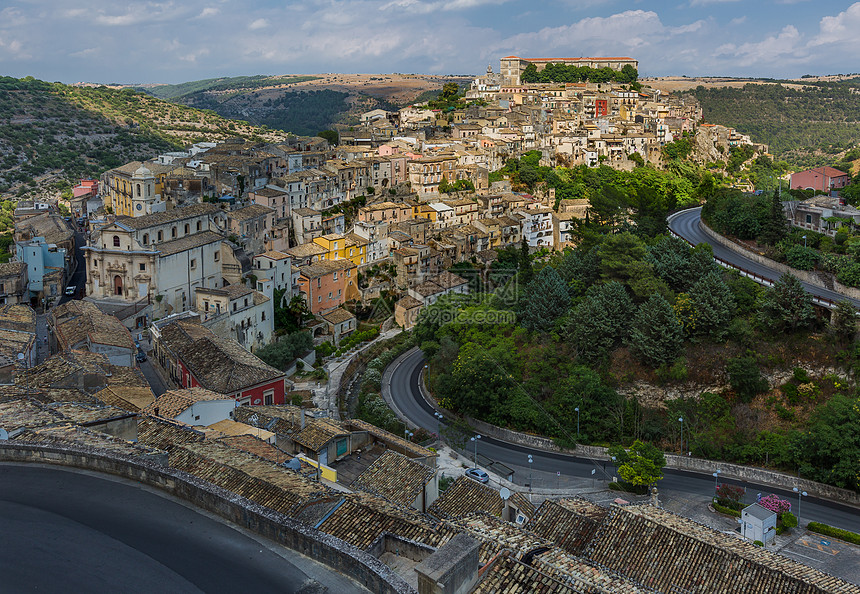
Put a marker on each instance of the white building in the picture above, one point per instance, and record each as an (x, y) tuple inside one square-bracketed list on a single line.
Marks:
[(237, 312), (275, 266), (758, 523)]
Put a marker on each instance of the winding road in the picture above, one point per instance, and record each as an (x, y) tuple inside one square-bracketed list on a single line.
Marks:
[(686, 224), (74, 531), (401, 386)]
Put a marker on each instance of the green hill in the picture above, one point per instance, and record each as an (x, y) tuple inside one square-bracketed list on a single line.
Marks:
[(50, 132), (806, 125)]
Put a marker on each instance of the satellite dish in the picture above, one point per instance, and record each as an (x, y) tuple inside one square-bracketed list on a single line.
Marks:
[(294, 464), (505, 493), (4, 434), (20, 356)]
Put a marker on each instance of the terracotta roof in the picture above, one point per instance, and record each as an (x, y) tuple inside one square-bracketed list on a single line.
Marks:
[(173, 402), (338, 316), (448, 280), (413, 449), (66, 433), (19, 414), (655, 547), (83, 414), (18, 317), (164, 434), (218, 364), (169, 216), (254, 445), (81, 324), (230, 427), (306, 250), (130, 398), (317, 433), (506, 574), (274, 255), (466, 496), (168, 248), (569, 523), (281, 419), (427, 289), (394, 476), (408, 302), (12, 268), (249, 212)]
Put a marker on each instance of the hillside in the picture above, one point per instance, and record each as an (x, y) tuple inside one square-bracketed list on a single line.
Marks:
[(303, 104), (806, 124), (52, 133)]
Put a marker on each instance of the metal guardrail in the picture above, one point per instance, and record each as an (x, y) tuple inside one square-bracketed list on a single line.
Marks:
[(762, 280)]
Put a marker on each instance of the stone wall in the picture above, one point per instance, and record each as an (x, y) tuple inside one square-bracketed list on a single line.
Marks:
[(339, 556)]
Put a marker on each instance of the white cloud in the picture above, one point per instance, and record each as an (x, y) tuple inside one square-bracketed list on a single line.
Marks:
[(706, 2), (422, 7), (691, 28), (258, 24), (209, 11), (841, 29), (738, 20), (786, 47)]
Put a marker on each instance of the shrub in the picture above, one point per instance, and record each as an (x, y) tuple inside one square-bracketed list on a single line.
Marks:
[(791, 393), (726, 510), (775, 504), (745, 377), (802, 258), (628, 488), (839, 533), (789, 520), (801, 376), (730, 493)]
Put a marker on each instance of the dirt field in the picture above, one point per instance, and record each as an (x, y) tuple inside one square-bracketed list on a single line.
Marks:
[(672, 84), (396, 88)]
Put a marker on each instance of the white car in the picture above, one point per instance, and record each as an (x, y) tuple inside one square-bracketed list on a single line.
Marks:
[(71, 289)]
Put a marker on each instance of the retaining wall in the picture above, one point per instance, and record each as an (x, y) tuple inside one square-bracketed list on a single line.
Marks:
[(332, 552), (812, 278)]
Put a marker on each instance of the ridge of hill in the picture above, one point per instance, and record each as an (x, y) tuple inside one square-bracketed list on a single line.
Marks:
[(303, 104), (52, 133)]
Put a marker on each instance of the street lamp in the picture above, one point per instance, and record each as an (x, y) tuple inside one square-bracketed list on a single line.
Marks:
[(800, 494), (531, 460), (439, 419), (475, 440), (681, 420), (577, 422), (408, 434), (716, 476), (804, 241)]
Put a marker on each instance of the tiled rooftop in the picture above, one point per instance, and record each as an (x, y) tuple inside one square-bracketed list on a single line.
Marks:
[(76, 322), (66, 433), (317, 433), (168, 248), (18, 414), (83, 414), (130, 398), (671, 553), (256, 446), (170, 404), (569, 523), (506, 575), (163, 434), (412, 449), (584, 575), (394, 476), (465, 496), (169, 216)]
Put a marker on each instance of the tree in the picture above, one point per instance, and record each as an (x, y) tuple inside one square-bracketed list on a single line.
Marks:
[(526, 273), (786, 306), (670, 258), (745, 377), (641, 465), (282, 353), (546, 298), (331, 135), (449, 91), (477, 384), (774, 227), (843, 322), (656, 335), (829, 451), (713, 305), (600, 321)]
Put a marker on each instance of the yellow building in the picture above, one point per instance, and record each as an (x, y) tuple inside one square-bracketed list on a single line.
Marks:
[(342, 247), (136, 189)]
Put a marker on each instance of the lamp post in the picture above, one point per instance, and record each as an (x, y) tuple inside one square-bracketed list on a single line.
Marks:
[(408, 434), (681, 420), (716, 476), (804, 241), (439, 419), (475, 440), (531, 460), (614, 466), (577, 422), (800, 494)]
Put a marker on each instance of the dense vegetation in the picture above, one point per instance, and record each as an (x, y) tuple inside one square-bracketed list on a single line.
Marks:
[(50, 129), (549, 334), (570, 73), (805, 126), (171, 92)]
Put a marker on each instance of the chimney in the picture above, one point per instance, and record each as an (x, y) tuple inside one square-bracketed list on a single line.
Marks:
[(302, 412)]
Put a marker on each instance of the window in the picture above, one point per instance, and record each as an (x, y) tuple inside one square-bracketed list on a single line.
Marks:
[(173, 232), (193, 263), (145, 238), (329, 294), (198, 225), (246, 302), (319, 299), (160, 236), (142, 267), (116, 241), (334, 275), (217, 255), (234, 306), (263, 317), (808, 218), (187, 228), (269, 396), (205, 306)]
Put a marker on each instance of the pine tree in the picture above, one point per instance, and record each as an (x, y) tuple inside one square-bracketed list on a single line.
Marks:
[(545, 299), (713, 305), (843, 325), (774, 228), (525, 264), (656, 336), (786, 306), (601, 320)]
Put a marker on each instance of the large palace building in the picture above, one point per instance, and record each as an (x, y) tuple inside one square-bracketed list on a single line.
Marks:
[(512, 66)]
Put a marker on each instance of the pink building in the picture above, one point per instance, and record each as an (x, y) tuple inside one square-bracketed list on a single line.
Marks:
[(819, 178)]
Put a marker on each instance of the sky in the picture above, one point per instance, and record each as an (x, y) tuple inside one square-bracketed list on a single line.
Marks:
[(176, 41)]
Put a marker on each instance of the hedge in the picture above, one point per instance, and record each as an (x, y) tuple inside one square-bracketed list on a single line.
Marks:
[(726, 510), (839, 533)]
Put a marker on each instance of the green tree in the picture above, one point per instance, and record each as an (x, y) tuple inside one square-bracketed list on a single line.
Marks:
[(641, 465), (830, 450), (786, 306), (331, 135), (713, 304), (775, 226), (656, 335), (601, 320), (545, 299), (745, 377), (449, 91), (478, 384), (526, 273), (843, 322), (282, 353)]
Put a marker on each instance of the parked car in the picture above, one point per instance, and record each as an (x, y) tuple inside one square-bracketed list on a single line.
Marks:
[(141, 356), (478, 475), (71, 289)]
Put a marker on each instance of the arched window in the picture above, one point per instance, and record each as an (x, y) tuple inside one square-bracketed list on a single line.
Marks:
[(138, 190), (145, 238), (173, 232), (198, 225), (116, 241), (160, 236), (187, 228)]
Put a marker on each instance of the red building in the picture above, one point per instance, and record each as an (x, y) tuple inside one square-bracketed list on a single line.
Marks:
[(601, 107), (195, 357), (819, 178)]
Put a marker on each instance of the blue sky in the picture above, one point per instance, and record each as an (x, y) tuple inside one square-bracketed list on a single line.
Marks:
[(175, 41)]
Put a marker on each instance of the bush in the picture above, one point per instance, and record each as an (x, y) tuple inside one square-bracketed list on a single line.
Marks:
[(791, 393), (758, 543), (628, 488), (789, 520), (745, 377), (726, 510), (802, 258), (839, 533), (800, 375)]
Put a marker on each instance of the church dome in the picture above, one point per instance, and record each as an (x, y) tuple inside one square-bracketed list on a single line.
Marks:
[(142, 171)]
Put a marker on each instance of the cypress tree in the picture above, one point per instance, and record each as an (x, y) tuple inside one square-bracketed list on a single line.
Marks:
[(545, 299), (656, 337)]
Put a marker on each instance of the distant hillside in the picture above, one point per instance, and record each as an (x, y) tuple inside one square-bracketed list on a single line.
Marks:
[(303, 105), (51, 132), (806, 124)]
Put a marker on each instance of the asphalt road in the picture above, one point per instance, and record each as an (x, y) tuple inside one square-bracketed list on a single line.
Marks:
[(686, 224), (78, 277), (69, 531), (402, 380)]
